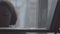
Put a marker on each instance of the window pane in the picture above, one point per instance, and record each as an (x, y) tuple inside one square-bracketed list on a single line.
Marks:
[(34, 13), (31, 13)]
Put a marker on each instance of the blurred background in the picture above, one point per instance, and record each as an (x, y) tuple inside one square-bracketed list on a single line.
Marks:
[(34, 13)]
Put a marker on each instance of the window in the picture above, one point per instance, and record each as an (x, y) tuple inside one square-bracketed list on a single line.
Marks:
[(34, 15)]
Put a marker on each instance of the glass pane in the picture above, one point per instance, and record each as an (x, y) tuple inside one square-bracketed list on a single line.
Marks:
[(33, 13)]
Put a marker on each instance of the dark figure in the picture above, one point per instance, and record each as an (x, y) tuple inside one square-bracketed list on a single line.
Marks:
[(7, 14)]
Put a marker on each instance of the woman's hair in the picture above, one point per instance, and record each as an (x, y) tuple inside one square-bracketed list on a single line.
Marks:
[(12, 11)]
